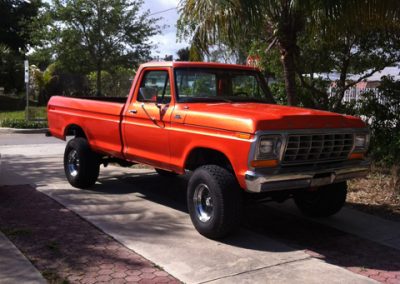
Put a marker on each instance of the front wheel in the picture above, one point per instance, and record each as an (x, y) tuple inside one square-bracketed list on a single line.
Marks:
[(214, 201), (81, 164), (323, 202)]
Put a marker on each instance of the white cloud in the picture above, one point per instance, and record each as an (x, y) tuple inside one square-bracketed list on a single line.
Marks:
[(167, 44), (169, 3), (166, 41)]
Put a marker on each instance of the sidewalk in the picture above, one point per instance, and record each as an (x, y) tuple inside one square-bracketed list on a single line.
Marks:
[(6, 130)]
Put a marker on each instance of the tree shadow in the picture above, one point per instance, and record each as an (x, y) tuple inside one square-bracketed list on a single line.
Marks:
[(168, 191), (390, 212), (264, 222), (329, 244)]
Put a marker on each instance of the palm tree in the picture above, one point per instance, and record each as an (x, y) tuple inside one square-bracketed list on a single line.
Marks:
[(209, 22), (278, 22)]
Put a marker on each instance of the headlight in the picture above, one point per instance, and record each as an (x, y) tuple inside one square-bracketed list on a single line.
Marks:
[(361, 142), (269, 147)]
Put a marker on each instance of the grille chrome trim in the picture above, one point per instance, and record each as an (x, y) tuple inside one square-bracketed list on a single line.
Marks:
[(286, 132), (302, 148)]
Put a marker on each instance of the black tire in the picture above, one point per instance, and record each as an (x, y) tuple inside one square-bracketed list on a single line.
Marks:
[(324, 202), (223, 193), (81, 164), (165, 173)]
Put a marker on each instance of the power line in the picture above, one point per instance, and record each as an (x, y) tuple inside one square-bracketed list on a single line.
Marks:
[(163, 11)]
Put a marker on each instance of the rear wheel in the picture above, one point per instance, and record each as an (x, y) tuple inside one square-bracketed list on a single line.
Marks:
[(323, 202), (214, 201), (81, 164)]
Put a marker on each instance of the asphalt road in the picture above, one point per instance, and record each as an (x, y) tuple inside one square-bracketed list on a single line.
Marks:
[(147, 213), (27, 139)]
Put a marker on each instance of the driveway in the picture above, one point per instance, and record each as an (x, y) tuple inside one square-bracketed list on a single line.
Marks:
[(147, 214)]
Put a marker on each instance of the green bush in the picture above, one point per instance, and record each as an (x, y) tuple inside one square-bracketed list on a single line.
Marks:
[(382, 113), (20, 123), (114, 84)]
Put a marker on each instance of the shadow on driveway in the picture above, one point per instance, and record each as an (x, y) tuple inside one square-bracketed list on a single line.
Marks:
[(333, 246), (329, 244)]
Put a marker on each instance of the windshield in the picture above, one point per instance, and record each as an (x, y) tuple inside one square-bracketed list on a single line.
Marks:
[(219, 85)]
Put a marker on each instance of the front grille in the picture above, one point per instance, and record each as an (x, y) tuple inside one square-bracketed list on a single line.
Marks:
[(306, 148)]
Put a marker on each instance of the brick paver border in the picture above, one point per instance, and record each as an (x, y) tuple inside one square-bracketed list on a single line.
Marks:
[(361, 256), (66, 248)]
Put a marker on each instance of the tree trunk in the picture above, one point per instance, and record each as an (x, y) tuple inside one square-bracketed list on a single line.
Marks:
[(316, 94), (341, 86), (289, 72)]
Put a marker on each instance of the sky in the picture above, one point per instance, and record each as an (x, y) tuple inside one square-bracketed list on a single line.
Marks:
[(166, 41)]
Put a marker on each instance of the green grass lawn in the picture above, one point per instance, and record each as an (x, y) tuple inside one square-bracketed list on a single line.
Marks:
[(34, 113), (37, 113), (17, 114), (16, 119)]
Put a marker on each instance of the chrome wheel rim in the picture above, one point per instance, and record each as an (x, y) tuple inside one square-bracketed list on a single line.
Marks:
[(203, 203), (73, 163)]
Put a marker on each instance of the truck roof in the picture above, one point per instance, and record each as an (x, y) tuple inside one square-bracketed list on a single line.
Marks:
[(196, 65)]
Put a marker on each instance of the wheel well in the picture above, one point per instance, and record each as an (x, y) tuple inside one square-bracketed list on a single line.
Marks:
[(74, 130), (203, 156)]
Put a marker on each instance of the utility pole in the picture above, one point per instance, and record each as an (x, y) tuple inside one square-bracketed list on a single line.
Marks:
[(26, 65)]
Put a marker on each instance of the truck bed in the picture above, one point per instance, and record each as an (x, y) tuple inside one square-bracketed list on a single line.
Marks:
[(99, 117)]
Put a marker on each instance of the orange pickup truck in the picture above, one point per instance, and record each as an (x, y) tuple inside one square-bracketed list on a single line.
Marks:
[(216, 123)]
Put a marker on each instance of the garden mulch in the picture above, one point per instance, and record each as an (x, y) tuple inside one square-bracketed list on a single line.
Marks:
[(375, 195)]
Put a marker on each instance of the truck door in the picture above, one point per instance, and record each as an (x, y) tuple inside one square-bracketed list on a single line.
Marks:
[(147, 120)]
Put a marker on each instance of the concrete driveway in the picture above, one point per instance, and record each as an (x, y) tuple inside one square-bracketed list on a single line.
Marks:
[(147, 213)]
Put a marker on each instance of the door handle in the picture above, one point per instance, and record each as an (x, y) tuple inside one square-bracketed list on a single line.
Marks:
[(133, 111)]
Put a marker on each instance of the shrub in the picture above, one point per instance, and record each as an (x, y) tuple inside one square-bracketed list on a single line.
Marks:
[(20, 123), (383, 115), (382, 112)]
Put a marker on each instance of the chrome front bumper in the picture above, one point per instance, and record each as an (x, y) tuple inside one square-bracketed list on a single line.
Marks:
[(283, 178)]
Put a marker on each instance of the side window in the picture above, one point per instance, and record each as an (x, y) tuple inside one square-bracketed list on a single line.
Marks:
[(155, 87)]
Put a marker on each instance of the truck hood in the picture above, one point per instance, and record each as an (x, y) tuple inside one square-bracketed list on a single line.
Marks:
[(252, 117)]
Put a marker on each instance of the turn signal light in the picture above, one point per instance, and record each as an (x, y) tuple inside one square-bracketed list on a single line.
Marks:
[(264, 163), (356, 156), (243, 135)]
